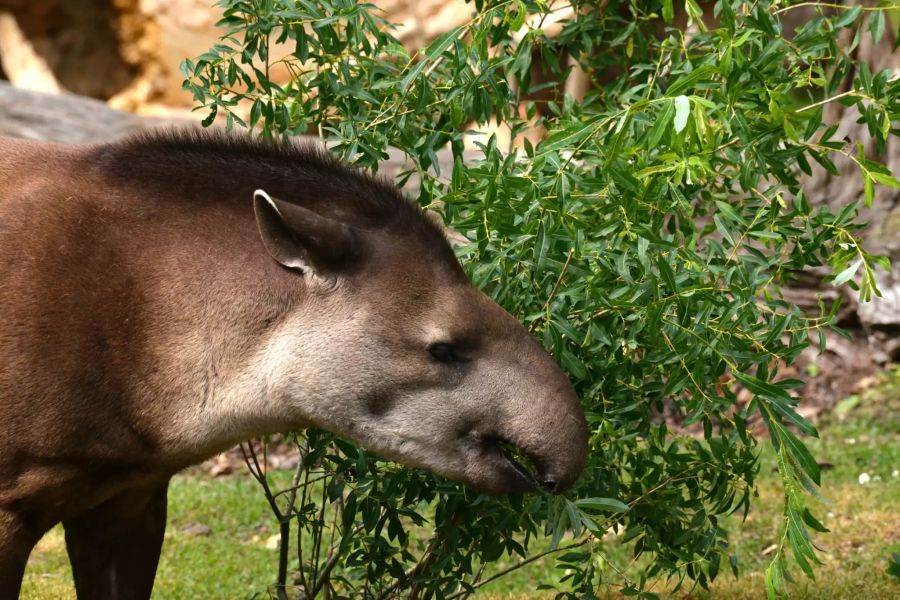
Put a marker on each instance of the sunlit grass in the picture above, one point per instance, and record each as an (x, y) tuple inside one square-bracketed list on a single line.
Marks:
[(232, 560)]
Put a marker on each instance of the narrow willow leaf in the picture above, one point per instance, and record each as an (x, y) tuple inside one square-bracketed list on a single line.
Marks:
[(848, 17), (668, 276), (723, 229), (868, 190), (442, 42), (885, 179), (559, 529), (661, 124), (876, 25), (773, 579), (847, 274), (682, 111), (763, 388), (801, 453), (575, 522), (729, 212), (812, 522), (413, 74), (786, 412), (603, 504), (686, 83)]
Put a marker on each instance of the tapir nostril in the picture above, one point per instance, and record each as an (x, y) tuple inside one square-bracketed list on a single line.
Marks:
[(551, 486)]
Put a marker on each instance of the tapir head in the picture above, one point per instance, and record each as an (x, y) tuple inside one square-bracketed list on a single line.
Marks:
[(393, 348)]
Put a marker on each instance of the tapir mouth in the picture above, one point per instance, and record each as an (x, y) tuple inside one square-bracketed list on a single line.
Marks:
[(518, 460), (523, 469)]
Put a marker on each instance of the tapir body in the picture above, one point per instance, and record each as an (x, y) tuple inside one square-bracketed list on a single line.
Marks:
[(169, 295)]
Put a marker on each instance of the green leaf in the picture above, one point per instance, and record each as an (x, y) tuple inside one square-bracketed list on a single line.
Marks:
[(791, 416), (602, 504), (702, 73), (442, 42), (894, 565), (799, 451), (812, 522), (661, 124), (762, 388), (846, 18), (781, 400), (847, 274), (682, 111), (876, 25), (668, 11), (213, 110), (868, 190), (668, 276), (885, 179), (728, 210), (722, 228), (773, 579)]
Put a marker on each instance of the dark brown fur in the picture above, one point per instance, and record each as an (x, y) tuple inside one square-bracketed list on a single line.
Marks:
[(228, 168)]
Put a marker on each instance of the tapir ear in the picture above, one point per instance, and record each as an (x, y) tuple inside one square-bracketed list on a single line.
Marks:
[(299, 238)]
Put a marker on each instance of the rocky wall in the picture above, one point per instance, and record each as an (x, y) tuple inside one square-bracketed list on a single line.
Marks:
[(129, 51)]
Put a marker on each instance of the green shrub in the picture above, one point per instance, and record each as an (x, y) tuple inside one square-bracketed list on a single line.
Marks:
[(644, 239)]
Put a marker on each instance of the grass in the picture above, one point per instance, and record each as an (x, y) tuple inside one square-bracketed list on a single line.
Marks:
[(230, 560), (236, 556)]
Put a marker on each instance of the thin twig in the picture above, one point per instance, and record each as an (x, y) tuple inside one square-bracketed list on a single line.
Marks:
[(835, 97), (294, 488), (325, 575), (475, 580), (835, 6), (303, 493), (423, 563), (519, 565), (317, 537), (559, 279), (252, 462)]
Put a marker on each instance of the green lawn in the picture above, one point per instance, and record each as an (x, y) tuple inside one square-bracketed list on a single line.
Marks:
[(235, 557), (231, 560)]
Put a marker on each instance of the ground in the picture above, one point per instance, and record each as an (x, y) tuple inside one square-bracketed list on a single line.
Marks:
[(220, 541)]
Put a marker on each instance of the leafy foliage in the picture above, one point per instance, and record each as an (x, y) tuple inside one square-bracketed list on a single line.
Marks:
[(644, 239)]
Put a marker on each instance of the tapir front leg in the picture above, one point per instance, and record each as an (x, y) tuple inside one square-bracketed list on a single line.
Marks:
[(16, 542), (114, 548)]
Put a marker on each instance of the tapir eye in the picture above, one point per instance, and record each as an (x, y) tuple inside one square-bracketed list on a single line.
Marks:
[(444, 353)]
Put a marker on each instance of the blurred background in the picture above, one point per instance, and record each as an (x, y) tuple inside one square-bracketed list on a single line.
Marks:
[(127, 52)]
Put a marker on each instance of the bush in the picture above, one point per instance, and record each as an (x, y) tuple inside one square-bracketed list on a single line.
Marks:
[(645, 239)]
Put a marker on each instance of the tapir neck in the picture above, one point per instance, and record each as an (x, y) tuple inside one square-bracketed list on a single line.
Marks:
[(207, 309), (151, 319), (159, 314)]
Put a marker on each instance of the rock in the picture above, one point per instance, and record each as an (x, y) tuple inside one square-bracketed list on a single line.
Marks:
[(222, 464), (881, 318), (22, 65), (62, 117), (77, 41), (129, 51), (196, 529)]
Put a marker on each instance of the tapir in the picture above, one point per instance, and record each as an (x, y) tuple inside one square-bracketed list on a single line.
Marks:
[(165, 296)]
